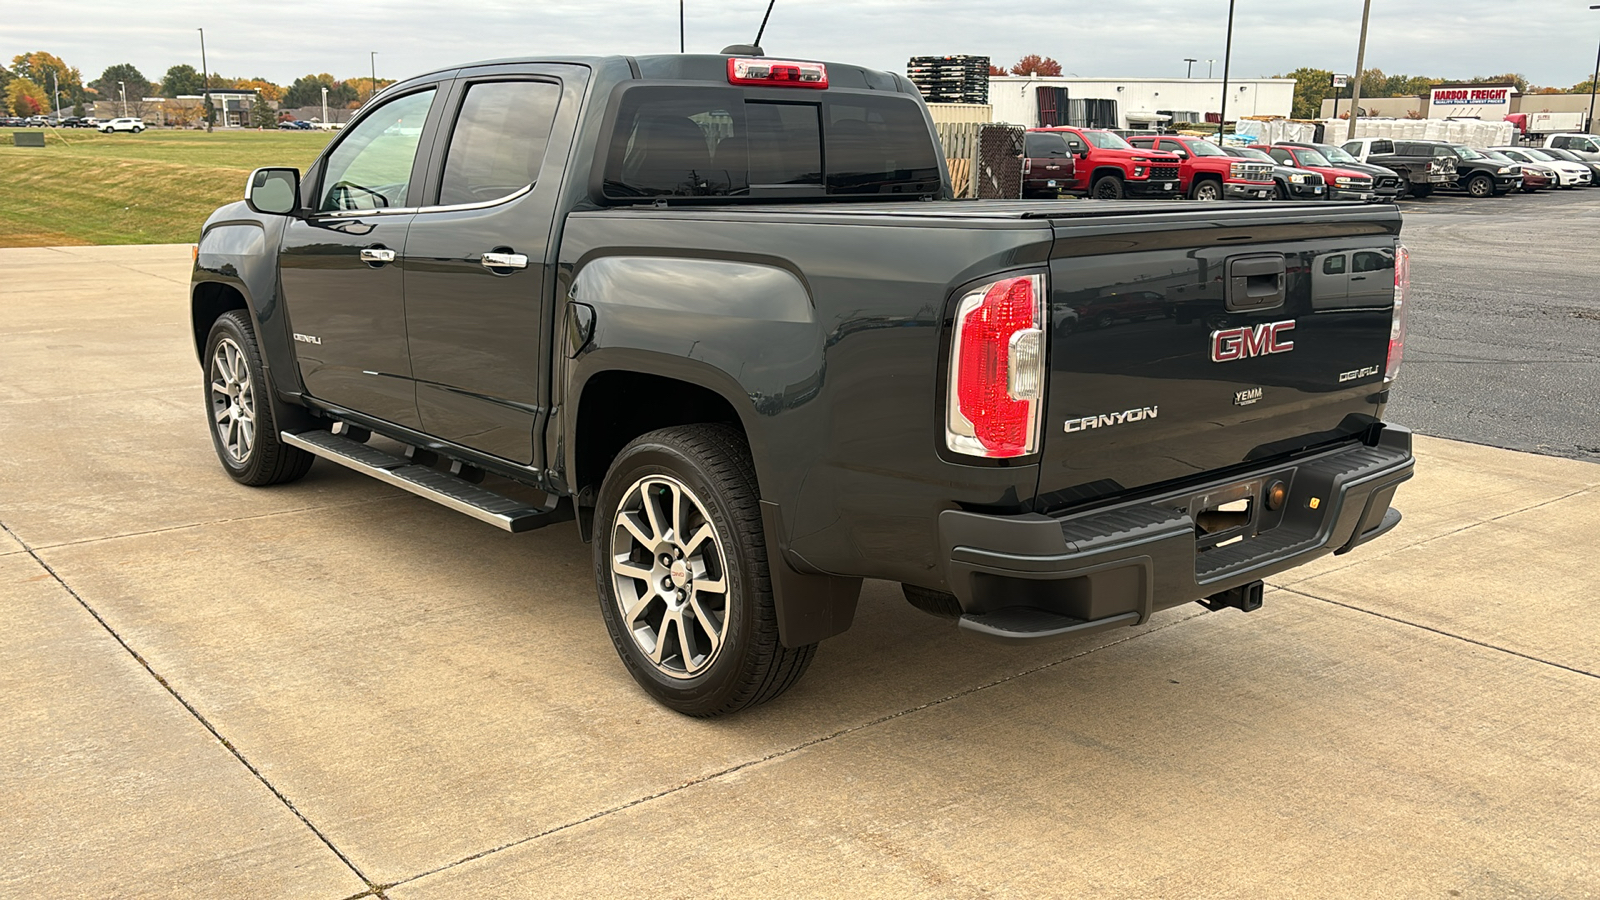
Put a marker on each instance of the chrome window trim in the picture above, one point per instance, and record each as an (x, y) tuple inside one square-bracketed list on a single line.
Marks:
[(485, 204)]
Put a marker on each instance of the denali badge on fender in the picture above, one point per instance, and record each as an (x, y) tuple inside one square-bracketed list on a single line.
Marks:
[(1242, 343), (1132, 415)]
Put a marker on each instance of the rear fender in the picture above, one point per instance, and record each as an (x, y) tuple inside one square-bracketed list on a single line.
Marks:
[(744, 330)]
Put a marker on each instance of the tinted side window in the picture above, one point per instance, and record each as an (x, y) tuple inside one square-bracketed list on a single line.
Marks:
[(371, 167), (499, 140), (878, 145), (1281, 156), (1560, 143), (1382, 146), (664, 142), (1173, 147)]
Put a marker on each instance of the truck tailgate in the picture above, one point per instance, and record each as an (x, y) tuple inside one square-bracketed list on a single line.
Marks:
[(1189, 343)]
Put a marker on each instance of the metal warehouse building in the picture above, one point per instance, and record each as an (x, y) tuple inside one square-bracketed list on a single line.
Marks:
[(1133, 102)]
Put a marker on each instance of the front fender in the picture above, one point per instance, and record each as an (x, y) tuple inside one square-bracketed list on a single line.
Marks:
[(239, 249)]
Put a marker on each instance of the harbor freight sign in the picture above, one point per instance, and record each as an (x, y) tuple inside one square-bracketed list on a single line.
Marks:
[(1489, 102)]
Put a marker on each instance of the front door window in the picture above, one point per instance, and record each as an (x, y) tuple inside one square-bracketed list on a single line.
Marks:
[(371, 167)]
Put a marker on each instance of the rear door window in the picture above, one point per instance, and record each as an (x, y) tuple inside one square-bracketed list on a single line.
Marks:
[(497, 146)]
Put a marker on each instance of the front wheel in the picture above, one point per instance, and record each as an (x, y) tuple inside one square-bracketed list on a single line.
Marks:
[(137, 129), (1481, 186), (1107, 187), (1205, 190), (239, 407), (682, 572), (1281, 192)]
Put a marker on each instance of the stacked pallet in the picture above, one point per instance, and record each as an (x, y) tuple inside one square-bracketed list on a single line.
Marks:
[(950, 79)]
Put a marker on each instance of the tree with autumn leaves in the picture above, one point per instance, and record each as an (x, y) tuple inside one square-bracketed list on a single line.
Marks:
[(1032, 64)]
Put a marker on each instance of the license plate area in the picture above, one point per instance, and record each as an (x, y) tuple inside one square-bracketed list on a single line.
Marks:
[(1226, 515)]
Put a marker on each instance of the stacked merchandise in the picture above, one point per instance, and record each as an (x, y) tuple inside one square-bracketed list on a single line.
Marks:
[(951, 79)]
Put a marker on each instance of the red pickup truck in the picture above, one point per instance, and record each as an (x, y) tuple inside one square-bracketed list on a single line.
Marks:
[(1207, 173), (1109, 168)]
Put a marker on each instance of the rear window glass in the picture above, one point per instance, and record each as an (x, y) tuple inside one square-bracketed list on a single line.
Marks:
[(1039, 145), (712, 142)]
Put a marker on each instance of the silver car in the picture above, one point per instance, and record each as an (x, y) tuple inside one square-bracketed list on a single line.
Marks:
[(1568, 174)]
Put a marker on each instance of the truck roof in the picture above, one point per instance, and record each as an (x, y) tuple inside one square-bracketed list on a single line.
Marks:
[(710, 67)]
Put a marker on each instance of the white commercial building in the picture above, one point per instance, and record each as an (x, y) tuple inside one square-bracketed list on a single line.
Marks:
[(1133, 102)]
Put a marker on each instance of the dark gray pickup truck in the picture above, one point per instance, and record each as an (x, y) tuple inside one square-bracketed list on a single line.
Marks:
[(719, 310)]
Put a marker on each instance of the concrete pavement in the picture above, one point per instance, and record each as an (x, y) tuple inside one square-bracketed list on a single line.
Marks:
[(333, 688)]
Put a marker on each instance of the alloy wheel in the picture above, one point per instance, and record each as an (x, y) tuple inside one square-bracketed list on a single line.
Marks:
[(670, 576), (233, 400)]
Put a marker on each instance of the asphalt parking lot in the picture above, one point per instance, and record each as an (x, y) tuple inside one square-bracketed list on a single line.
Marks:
[(334, 689), (1504, 346)]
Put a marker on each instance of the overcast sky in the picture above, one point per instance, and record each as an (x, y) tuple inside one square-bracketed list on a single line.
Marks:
[(1552, 42)]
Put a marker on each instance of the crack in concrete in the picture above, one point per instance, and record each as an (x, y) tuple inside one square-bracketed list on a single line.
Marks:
[(1440, 631), (780, 754), (373, 889), (207, 524)]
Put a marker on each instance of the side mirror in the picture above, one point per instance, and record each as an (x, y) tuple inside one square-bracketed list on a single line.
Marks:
[(1181, 154), (273, 191)]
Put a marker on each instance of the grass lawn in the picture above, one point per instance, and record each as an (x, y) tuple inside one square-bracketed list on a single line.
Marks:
[(152, 188)]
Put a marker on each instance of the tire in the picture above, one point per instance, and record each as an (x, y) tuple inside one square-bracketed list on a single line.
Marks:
[(1421, 190), (1105, 320), (1480, 186), (701, 481), (934, 603), (137, 129), (239, 408), (1205, 189), (1280, 192), (1106, 187)]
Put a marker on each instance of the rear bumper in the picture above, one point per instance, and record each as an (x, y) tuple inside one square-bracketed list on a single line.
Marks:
[(1034, 576)]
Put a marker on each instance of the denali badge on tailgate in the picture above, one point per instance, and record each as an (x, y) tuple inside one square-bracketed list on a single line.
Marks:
[(1242, 343)]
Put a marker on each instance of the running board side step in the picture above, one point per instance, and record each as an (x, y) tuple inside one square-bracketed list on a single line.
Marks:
[(440, 487)]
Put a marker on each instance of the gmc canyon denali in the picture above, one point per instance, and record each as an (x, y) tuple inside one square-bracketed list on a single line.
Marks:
[(720, 310)]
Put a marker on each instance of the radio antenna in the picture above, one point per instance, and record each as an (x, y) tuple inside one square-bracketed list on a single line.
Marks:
[(763, 29)]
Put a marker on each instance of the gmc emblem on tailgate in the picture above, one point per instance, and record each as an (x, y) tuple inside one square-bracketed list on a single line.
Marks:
[(1230, 344)]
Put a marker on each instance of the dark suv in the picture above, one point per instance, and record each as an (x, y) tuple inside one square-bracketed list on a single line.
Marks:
[(1047, 164)]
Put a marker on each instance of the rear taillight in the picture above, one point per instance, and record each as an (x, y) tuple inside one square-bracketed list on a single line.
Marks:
[(777, 73), (997, 370), (1402, 304), (1027, 166)]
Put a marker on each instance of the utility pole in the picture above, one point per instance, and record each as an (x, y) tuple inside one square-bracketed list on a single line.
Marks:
[(205, 90), (680, 26), (1361, 60), (324, 104), (1190, 72), (1592, 85), (373, 87), (122, 89), (55, 93), (1227, 61)]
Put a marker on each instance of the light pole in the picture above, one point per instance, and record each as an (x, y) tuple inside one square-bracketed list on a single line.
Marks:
[(1227, 60), (122, 89), (1590, 125), (1210, 64), (1361, 60), (373, 87), (205, 90), (324, 104), (1189, 73), (680, 26), (55, 93)]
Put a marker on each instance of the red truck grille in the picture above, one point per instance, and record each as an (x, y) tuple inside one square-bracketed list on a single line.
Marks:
[(1162, 172)]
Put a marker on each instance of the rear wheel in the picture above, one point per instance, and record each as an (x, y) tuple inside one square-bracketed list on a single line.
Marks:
[(1481, 186), (1205, 189), (1421, 190), (1107, 187), (682, 572), (239, 407)]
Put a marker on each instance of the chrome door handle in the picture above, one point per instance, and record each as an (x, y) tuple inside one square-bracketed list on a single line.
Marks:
[(505, 261), (376, 255)]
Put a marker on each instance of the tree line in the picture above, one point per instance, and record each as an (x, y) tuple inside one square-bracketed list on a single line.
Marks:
[(35, 80), (1312, 86)]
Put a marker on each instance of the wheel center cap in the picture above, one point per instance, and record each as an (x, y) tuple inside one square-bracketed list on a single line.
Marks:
[(679, 571)]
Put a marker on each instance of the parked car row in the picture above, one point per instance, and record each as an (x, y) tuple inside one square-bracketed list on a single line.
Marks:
[(1096, 163)]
